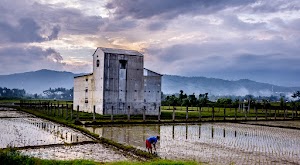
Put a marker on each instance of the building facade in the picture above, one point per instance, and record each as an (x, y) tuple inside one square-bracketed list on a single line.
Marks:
[(119, 84)]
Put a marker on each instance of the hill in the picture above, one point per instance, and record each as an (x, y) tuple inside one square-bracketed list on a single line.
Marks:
[(38, 81)]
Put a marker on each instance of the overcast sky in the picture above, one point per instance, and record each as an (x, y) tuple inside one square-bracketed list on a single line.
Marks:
[(229, 39)]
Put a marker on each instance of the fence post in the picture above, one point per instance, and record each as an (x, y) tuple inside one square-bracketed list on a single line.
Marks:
[(59, 110), (187, 113), (284, 113), (67, 107), (293, 113), (94, 113), (51, 109), (213, 113), (72, 108), (235, 111), (54, 106), (255, 113), (224, 113), (112, 113), (275, 114), (144, 114), (246, 111), (158, 117), (266, 114), (77, 114), (173, 115), (128, 113), (200, 113)]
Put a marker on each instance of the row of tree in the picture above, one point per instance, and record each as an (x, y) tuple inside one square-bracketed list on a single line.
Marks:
[(202, 100), (55, 93)]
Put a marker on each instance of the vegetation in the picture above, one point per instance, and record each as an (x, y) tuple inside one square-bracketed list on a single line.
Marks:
[(11, 156)]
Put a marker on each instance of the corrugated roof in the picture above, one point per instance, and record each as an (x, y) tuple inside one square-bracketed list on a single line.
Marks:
[(120, 51)]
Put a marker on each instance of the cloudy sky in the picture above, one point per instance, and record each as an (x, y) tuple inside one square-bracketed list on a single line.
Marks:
[(229, 39)]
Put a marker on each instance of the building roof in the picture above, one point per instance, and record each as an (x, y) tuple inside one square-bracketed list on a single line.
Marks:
[(120, 51), (89, 74), (152, 73)]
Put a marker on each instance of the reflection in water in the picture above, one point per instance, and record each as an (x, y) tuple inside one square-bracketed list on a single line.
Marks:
[(60, 132), (218, 142)]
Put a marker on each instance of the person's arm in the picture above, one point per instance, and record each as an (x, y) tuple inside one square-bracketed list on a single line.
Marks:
[(154, 147)]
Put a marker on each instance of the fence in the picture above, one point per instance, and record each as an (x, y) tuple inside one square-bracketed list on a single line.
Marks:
[(167, 113)]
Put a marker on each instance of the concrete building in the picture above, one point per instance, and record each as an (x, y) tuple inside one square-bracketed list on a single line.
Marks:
[(119, 84)]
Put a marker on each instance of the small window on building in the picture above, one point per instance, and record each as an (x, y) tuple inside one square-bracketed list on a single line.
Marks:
[(86, 100), (123, 64), (86, 79), (98, 63), (86, 90)]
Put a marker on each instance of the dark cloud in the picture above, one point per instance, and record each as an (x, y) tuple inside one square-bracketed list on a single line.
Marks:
[(156, 26), (121, 25), (27, 30), (142, 9), (55, 18), (20, 59)]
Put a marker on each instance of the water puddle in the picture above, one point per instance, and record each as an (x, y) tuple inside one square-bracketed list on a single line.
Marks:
[(215, 143)]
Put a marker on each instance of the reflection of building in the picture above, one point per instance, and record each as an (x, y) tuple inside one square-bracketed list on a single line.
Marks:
[(118, 84)]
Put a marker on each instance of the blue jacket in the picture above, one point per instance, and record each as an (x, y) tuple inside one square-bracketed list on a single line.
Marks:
[(152, 139)]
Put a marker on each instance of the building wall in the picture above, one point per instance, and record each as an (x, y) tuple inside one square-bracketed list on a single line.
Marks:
[(83, 93), (123, 84), (152, 93), (98, 73)]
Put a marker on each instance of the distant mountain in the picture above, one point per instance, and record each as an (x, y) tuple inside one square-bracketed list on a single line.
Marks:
[(38, 81), (173, 84)]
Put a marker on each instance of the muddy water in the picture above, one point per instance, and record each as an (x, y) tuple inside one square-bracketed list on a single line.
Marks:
[(20, 129), (218, 143)]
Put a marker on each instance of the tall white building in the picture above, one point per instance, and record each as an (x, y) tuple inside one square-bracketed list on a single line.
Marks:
[(119, 84)]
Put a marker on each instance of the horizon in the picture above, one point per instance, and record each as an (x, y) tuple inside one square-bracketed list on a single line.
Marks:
[(163, 75), (229, 40)]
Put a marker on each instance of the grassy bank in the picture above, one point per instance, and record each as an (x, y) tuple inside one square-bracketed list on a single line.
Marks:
[(12, 157)]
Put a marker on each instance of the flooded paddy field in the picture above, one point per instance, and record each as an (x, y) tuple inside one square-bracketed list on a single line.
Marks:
[(214, 143), (23, 129), (40, 137), (96, 152)]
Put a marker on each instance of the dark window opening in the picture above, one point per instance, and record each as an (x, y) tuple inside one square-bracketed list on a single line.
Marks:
[(86, 79), (86, 90), (123, 64), (98, 63), (86, 101)]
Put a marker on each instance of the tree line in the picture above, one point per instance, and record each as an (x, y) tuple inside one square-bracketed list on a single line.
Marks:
[(182, 99), (51, 93)]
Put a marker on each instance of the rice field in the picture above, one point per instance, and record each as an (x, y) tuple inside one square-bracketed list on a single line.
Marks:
[(19, 129), (214, 143)]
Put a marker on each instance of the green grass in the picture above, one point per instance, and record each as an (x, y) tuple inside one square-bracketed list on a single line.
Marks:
[(11, 156)]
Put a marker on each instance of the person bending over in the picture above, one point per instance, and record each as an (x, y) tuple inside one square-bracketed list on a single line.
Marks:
[(152, 140)]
